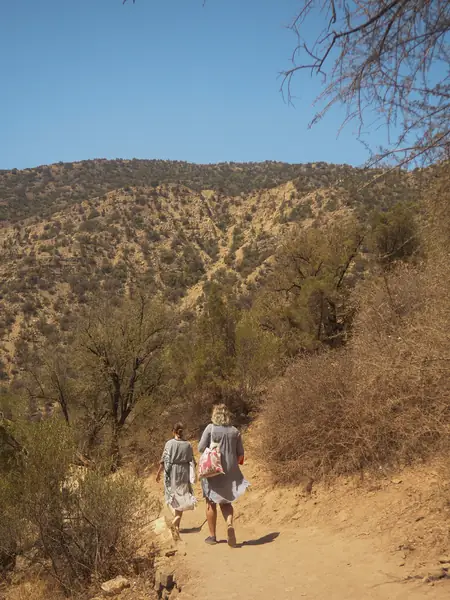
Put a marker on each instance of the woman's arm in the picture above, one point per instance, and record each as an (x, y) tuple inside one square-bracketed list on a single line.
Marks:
[(205, 439)]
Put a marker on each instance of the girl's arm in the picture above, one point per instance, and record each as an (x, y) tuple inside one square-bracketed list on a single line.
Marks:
[(161, 462)]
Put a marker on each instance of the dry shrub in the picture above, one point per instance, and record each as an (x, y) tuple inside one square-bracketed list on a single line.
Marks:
[(11, 527), (385, 399), (87, 523), (36, 589), (305, 422)]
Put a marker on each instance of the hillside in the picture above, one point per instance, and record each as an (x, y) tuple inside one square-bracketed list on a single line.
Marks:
[(79, 241), (45, 190)]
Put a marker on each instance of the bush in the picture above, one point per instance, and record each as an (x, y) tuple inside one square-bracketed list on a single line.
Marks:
[(86, 522), (10, 526), (381, 402)]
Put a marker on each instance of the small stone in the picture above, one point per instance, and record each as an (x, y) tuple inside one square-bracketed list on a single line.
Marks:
[(167, 580), (396, 480), (170, 553), (445, 558), (115, 586)]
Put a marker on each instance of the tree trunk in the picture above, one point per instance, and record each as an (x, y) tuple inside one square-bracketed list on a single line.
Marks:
[(116, 430)]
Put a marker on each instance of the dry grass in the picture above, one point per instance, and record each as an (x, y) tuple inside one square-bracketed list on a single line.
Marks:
[(384, 400), (34, 589)]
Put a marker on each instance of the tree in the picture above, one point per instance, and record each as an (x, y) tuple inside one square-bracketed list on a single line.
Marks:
[(48, 377), (388, 62), (119, 352), (214, 345), (313, 273), (394, 234)]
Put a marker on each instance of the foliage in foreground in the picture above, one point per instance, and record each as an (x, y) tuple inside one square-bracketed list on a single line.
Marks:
[(86, 523)]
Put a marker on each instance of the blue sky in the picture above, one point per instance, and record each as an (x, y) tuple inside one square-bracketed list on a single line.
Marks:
[(168, 79)]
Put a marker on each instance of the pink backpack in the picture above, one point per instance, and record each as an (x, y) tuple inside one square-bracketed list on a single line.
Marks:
[(210, 463)]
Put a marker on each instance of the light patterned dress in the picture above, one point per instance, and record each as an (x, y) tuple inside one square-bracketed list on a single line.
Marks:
[(224, 489), (177, 458)]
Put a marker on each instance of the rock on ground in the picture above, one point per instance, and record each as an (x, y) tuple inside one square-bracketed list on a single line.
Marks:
[(115, 586)]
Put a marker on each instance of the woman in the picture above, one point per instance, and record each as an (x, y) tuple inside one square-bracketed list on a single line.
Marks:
[(176, 461), (222, 490)]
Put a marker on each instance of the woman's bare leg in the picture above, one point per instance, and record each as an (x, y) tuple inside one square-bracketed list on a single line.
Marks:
[(211, 517), (227, 513)]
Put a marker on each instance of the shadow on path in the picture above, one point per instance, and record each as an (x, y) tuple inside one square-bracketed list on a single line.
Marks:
[(265, 539), (193, 529)]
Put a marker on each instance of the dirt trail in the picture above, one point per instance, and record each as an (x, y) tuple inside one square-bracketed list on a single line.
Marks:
[(350, 541), (288, 563)]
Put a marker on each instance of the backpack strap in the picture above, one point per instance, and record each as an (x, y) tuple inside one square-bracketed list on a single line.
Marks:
[(214, 444)]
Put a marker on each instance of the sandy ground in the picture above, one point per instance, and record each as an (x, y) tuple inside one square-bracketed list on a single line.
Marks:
[(355, 540)]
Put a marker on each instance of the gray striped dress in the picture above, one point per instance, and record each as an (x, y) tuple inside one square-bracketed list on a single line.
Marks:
[(224, 489), (177, 457)]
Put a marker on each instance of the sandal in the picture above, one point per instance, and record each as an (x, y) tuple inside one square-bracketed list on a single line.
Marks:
[(211, 540), (231, 536)]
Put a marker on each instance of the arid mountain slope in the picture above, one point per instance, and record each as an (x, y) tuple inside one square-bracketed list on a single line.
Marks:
[(61, 249), (44, 190)]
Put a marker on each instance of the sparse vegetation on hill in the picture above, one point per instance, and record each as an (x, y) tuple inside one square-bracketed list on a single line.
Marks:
[(45, 190), (168, 238)]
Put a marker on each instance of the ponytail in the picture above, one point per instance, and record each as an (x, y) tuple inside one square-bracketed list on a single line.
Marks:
[(178, 429)]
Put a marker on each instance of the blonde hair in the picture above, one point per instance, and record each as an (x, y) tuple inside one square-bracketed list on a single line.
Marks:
[(221, 415)]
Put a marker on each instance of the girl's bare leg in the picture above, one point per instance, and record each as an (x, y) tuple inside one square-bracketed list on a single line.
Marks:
[(177, 519)]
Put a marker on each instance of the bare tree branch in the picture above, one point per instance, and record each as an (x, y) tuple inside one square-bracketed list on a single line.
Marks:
[(385, 59)]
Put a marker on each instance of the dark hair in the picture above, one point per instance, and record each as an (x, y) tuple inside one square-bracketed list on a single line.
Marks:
[(178, 429)]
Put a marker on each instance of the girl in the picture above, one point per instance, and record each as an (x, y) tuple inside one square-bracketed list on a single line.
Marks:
[(176, 460)]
